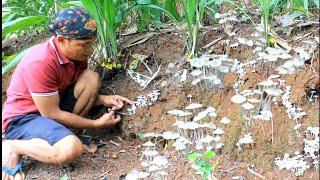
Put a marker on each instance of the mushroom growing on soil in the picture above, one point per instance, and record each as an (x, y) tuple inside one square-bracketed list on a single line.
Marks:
[(238, 99), (246, 111), (193, 106)]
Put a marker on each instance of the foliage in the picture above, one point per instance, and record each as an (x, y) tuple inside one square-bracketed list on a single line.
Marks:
[(13, 61), (194, 14), (202, 162)]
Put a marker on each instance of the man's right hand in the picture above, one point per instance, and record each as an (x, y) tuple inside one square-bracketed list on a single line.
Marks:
[(108, 119)]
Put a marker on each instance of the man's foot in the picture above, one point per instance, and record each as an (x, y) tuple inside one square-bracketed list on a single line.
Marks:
[(88, 146), (10, 159)]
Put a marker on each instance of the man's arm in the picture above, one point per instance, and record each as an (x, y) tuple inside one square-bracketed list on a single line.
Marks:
[(48, 106)]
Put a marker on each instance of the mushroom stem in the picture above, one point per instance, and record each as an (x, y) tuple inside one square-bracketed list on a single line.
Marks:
[(272, 130)]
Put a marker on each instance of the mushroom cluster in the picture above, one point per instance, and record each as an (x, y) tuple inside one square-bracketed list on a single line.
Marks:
[(141, 79), (143, 101), (295, 164), (195, 130), (226, 20), (209, 71)]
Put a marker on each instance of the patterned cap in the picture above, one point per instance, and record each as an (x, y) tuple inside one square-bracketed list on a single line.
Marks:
[(74, 23)]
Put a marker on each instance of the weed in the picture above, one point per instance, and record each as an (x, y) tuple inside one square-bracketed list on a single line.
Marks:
[(202, 162)]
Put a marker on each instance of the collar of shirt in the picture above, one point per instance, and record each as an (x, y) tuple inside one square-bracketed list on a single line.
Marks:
[(60, 56)]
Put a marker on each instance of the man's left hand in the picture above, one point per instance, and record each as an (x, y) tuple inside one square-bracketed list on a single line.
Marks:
[(116, 102)]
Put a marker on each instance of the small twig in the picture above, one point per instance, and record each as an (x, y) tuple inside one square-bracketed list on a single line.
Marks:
[(311, 63), (255, 173), (114, 143), (212, 43), (152, 77), (105, 173), (229, 169), (145, 64)]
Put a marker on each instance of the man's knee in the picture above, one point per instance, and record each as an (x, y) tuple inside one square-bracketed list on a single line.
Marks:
[(92, 78), (67, 149), (88, 82)]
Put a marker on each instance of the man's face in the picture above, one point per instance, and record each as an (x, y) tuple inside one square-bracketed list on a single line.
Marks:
[(79, 50)]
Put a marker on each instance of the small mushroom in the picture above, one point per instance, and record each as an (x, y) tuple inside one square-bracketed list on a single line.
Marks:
[(225, 120), (238, 99)]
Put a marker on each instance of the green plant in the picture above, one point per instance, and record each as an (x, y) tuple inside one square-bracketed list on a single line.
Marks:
[(13, 60), (104, 14), (194, 15), (267, 8), (202, 162), (109, 16)]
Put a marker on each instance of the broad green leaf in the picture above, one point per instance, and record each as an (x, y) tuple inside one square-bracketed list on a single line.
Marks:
[(208, 167), (160, 8), (144, 2), (200, 163), (140, 135), (22, 23), (13, 63), (134, 64), (171, 7), (316, 2), (209, 154), (64, 177), (194, 156)]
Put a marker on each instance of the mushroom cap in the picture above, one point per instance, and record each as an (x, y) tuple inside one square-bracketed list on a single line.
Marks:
[(152, 134), (247, 106), (208, 125), (225, 120), (199, 62), (200, 116), (253, 100), (194, 106), (185, 113), (219, 145), (170, 135), (218, 131), (179, 145), (273, 91), (257, 91), (175, 112), (207, 139), (148, 144), (215, 63), (195, 81), (247, 139), (238, 99), (192, 125), (267, 82), (274, 51), (217, 81), (196, 72), (150, 152), (160, 161)]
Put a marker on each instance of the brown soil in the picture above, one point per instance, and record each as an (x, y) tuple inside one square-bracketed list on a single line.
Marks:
[(114, 162)]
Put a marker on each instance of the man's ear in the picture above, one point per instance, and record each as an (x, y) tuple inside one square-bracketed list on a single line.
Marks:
[(61, 39)]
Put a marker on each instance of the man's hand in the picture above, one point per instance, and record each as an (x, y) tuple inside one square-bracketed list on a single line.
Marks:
[(108, 119), (116, 102)]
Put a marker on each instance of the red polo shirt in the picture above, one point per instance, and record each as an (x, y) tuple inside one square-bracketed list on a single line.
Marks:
[(44, 71)]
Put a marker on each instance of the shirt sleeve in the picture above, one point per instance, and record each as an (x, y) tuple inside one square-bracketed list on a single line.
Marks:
[(40, 78)]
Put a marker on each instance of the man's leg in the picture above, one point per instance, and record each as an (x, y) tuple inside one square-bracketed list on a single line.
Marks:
[(65, 150), (86, 92), (51, 142)]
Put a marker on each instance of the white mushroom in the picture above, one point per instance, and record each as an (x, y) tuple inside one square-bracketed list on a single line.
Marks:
[(247, 106), (196, 72), (194, 106), (218, 131), (225, 120), (170, 135), (238, 99)]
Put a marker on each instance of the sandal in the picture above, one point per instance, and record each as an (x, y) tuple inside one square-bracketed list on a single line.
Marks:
[(91, 148), (15, 170)]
